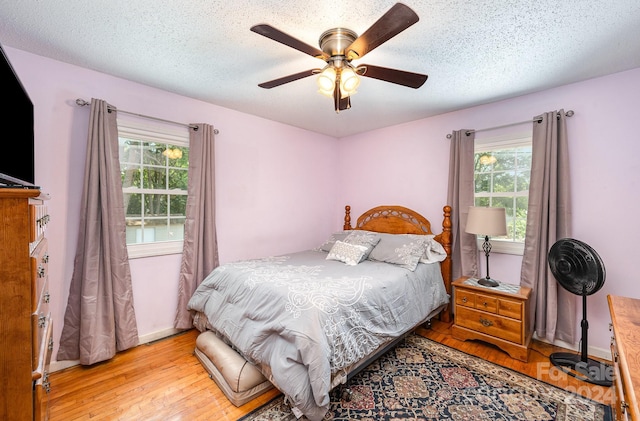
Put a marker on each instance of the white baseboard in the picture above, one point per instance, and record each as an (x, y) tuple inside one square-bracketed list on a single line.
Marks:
[(592, 351), (144, 339), (150, 337)]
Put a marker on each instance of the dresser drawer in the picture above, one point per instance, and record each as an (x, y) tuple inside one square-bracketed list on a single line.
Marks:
[(42, 385), (39, 322), (39, 271), (490, 324), (39, 218)]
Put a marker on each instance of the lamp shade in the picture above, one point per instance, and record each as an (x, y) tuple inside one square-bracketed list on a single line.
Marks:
[(486, 221)]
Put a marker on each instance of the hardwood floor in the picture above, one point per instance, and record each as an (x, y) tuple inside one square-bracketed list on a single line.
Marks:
[(164, 381)]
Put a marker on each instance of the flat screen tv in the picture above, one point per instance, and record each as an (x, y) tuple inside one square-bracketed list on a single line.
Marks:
[(17, 163)]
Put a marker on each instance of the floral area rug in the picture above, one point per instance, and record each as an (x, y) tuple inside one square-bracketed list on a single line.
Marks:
[(421, 379)]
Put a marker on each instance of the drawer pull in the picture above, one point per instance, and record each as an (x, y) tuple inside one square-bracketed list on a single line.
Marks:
[(40, 271), (464, 299), (42, 320), (50, 344), (46, 384), (45, 258), (46, 298), (623, 406), (485, 322), (485, 304)]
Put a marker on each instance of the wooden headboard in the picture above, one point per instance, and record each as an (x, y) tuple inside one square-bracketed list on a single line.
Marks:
[(400, 220)]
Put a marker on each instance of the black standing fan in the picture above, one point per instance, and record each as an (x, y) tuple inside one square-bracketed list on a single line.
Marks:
[(579, 269)]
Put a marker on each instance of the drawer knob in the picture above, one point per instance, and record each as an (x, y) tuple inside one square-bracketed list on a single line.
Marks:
[(485, 322), (464, 299), (485, 304)]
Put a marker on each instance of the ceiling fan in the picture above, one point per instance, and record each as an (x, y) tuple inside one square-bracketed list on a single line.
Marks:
[(339, 46)]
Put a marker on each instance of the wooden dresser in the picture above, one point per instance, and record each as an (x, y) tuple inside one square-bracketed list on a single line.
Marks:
[(495, 315), (625, 352), (25, 321)]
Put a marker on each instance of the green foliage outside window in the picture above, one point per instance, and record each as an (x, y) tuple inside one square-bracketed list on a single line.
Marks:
[(502, 178), (154, 179)]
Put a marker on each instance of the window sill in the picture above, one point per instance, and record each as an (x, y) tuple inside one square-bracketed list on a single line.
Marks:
[(505, 247), (137, 251)]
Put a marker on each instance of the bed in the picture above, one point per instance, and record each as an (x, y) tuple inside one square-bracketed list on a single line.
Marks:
[(310, 320)]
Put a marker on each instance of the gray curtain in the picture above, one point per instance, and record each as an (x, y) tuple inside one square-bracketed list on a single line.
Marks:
[(200, 252), (464, 251), (553, 309), (99, 318)]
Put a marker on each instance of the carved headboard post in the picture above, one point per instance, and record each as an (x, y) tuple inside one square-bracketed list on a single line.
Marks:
[(445, 266), (347, 218)]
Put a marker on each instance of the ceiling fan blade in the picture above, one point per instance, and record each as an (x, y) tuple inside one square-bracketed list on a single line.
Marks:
[(396, 20), (286, 79), (400, 77), (279, 36), (345, 103), (340, 104)]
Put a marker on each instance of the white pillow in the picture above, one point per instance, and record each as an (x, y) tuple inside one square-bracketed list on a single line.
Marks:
[(351, 254), (434, 252)]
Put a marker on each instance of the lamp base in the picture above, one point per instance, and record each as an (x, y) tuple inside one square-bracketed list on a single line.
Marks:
[(488, 282)]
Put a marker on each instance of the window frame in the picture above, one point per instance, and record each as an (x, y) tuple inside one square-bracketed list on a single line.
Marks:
[(494, 143), (138, 128)]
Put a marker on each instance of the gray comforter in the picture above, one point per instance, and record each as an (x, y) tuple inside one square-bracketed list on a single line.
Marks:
[(303, 320)]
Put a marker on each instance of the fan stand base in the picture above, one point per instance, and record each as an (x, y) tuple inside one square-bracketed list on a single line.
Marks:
[(591, 371)]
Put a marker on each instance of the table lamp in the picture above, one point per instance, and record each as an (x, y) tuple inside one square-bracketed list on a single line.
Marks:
[(487, 221)]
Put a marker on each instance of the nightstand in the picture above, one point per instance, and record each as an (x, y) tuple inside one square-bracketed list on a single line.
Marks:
[(497, 315)]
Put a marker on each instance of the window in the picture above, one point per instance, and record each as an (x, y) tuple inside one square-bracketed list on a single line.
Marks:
[(154, 162), (502, 174)]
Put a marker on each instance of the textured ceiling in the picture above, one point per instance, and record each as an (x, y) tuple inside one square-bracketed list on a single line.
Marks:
[(474, 51)]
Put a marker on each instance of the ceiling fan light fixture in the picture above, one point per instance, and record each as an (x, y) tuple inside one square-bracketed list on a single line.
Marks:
[(325, 92), (327, 79), (349, 81)]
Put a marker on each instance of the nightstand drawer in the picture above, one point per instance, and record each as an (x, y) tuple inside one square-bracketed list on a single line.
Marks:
[(490, 324), (486, 303), (510, 308), (465, 298)]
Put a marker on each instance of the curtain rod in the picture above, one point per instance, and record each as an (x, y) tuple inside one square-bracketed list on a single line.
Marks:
[(81, 102), (569, 113)]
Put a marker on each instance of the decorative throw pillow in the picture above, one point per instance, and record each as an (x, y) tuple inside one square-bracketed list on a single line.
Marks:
[(336, 236), (404, 250), (433, 252), (368, 239), (351, 254)]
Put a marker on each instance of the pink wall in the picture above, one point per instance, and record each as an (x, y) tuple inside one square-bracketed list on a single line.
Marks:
[(281, 188), (275, 183), (408, 164)]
